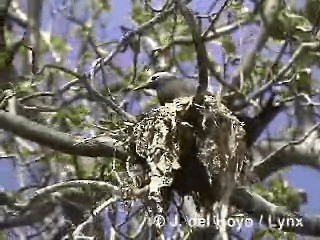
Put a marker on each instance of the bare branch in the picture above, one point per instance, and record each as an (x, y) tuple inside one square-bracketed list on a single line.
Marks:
[(78, 232), (266, 213), (139, 31), (248, 61), (284, 70), (88, 184), (270, 12), (94, 94), (214, 19), (109, 102), (279, 158), (199, 46), (61, 68), (63, 142), (295, 142), (186, 40), (35, 95)]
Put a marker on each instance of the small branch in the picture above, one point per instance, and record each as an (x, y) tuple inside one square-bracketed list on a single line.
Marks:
[(219, 79), (110, 103), (307, 98), (186, 40), (283, 71), (270, 11), (139, 31), (214, 19), (295, 142), (88, 184), (248, 62), (262, 90), (309, 101), (92, 92), (280, 54), (35, 95), (78, 232), (61, 68)]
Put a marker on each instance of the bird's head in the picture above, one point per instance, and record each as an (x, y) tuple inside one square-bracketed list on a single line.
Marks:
[(158, 80)]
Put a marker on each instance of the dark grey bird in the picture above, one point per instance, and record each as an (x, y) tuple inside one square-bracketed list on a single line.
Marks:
[(168, 87)]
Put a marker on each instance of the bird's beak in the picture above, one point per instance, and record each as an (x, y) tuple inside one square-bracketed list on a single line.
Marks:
[(142, 87)]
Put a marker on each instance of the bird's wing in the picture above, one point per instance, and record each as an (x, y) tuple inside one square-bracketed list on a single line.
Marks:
[(189, 88), (176, 89)]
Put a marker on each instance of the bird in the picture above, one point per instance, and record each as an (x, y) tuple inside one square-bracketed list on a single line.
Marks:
[(168, 87)]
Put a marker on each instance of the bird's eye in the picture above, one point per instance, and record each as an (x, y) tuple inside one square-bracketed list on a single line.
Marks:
[(153, 78)]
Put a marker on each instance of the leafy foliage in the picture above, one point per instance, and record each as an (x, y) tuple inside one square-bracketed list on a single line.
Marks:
[(280, 192)]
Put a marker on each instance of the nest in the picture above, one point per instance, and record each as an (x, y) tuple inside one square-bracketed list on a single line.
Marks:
[(190, 146)]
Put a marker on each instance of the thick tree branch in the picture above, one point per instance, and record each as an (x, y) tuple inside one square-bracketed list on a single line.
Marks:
[(259, 208), (286, 154), (198, 44), (81, 194), (287, 158), (304, 151), (63, 142), (256, 125)]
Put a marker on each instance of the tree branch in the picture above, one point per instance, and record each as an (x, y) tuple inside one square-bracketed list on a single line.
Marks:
[(82, 194), (248, 62), (187, 40), (263, 211), (302, 152), (63, 142), (270, 12), (139, 31), (198, 44), (256, 125)]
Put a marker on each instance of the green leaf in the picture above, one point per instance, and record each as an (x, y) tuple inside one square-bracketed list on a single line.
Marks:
[(278, 191), (74, 116), (297, 25), (3, 57), (60, 45), (304, 81), (105, 5), (288, 23), (138, 14), (185, 54), (312, 11), (88, 55), (228, 44), (261, 234)]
